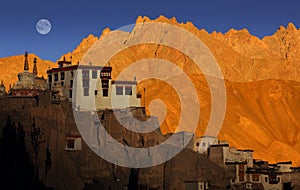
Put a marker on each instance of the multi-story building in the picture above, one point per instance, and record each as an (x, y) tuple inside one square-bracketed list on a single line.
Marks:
[(91, 87)]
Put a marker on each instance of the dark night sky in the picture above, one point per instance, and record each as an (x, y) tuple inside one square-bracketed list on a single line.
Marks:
[(73, 20)]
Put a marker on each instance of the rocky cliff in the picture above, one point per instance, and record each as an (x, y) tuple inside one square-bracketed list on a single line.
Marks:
[(83, 168)]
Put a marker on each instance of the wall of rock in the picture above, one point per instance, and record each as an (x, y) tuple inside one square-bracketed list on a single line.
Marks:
[(83, 168)]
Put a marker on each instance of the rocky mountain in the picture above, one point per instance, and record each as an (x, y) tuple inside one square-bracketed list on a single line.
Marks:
[(261, 80), (262, 84)]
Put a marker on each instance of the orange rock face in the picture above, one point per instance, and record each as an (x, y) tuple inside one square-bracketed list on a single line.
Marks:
[(262, 84)]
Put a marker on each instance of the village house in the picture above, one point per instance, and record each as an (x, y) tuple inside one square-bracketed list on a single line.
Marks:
[(244, 172)]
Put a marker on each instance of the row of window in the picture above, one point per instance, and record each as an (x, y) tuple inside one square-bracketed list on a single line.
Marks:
[(62, 76), (255, 177), (105, 74), (86, 92), (203, 144), (119, 90), (62, 84), (85, 75)]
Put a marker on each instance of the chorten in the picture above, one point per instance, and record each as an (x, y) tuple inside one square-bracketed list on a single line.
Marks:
[(29, 84)]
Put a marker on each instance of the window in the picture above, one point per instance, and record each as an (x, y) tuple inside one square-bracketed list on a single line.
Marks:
[(85, 83), (85, 74), (104, 83), (71, 83), (266, 179), (72, 74), (62, 83), (197, 144), (242, 177), (241, 168), (248, 186), (241, 172), (272, 179), (105, 92), (71, 143), (62, 76), (96, 92), (94, 74), (70, 93), (204, 144), (86, 91), (255, 177), (56, 77), (128, 90), (49, 78), (119, 90), (105, 74)]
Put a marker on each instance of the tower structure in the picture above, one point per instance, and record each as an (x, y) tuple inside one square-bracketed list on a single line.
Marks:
[(35, 67), (26, 66)]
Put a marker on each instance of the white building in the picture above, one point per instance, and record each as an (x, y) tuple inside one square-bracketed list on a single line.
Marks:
[(202, 144), (91, 87)]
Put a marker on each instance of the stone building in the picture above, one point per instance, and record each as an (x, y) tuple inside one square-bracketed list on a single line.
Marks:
[(244, 172), (28, 84), (91, 87)]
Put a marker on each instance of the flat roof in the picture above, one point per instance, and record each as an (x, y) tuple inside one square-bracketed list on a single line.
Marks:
[(123, 82), (288, 162), (56, 70), (245, 150), (75, 67), (219, 145)]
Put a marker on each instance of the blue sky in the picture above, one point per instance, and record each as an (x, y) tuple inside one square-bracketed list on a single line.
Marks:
[(73, 20)]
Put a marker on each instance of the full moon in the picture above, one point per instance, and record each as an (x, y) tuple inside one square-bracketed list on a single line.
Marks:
[(43, 26)]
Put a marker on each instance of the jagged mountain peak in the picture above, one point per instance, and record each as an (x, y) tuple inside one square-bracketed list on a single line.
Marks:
[(291, 26)]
